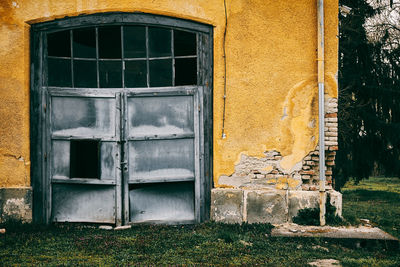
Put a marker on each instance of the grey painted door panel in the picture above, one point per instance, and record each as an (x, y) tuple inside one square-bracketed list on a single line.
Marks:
[(160, 115), (158, 159), (173, 202), (83, 203), (83, 116)]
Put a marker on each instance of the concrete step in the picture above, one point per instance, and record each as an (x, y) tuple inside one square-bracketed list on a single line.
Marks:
[(362, 236)]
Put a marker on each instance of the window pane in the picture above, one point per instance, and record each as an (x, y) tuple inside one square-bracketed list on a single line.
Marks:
[(84, 42), (151, 116), (184, 43), (161, 159), (160, 72), (84, 159), (79, 116), (110, 42), (134, 41), (110, 74), (85, 74), (136, 73), (59, 72), (185, 71), (58, 44), (159, 42)]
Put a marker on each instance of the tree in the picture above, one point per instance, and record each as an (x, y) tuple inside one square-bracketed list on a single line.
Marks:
[(369, 92)]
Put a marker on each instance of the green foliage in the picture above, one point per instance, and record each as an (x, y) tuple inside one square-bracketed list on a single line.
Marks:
[(307, 216), (310, 216), (369, 97)]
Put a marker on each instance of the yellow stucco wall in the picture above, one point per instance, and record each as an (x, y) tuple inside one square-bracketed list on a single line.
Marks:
[(271, 73)]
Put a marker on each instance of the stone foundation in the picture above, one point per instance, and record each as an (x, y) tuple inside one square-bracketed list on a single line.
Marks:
[(265, 206), (16, 204)]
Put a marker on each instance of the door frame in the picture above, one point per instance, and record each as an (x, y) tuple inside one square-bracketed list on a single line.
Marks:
[(39, 129)]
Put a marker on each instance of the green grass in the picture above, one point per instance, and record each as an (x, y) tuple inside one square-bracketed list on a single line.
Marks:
[(376, 199), (203, 244)]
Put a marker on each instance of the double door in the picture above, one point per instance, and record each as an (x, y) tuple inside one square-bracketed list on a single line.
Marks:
[(125, 156)]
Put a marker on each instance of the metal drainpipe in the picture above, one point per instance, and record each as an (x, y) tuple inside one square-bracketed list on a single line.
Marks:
[(321, 111)]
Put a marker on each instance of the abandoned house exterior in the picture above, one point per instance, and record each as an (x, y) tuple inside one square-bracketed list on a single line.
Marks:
[(179, 111)]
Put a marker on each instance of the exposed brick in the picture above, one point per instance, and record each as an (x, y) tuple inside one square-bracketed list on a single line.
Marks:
[(311, 172), (331, 124), (333, 148), (331, 134), (331, 115), (305, 177), (310, 163), (328, 172), (330, 163), (315, 158), (306, 167), (331, 119), (331, 143)]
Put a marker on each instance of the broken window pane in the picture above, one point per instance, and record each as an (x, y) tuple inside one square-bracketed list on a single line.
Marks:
[(84, 159), (59, 44), (134, 42), (160, 72), (159, 42), (136, 73), (161, 159), (110, 42), (84, 43), (85, 74), (166, 202), (149, 116), (184, 43), (185, 71), (110, 74), (59, 72), (75, 116)]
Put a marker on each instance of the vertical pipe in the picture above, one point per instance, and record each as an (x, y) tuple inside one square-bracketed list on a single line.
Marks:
[(321, 111)]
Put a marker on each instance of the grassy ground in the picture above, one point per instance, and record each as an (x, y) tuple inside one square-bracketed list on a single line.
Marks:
[(206, 244), (376, 199)]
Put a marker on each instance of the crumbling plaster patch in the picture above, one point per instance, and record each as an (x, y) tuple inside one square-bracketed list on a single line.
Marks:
[(299, 140)]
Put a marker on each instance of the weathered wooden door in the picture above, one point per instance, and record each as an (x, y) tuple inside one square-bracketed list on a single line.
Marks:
[(121, 121), (84, 133), (163, 154)]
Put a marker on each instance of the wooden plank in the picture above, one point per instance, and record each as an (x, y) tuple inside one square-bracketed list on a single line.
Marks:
[(36, 120), (161, 137), (161, 91), (81, 92), (67, 180), (161, 179), (119, 220), (101, 138), (118, 18)]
